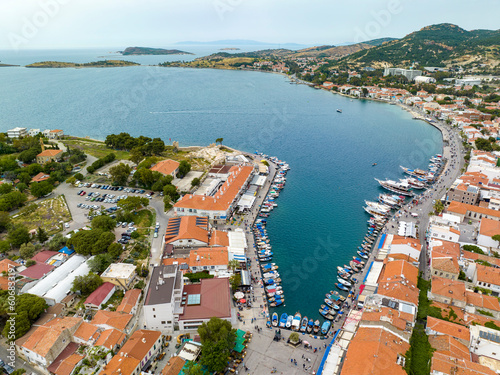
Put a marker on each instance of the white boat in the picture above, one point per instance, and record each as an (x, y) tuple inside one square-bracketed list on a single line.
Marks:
[(414, 183), (396, 187), (382, 208), (371, 211), (345, 282)]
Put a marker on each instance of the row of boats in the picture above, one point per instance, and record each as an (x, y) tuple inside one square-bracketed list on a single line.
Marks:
[(271, 277), (300, 324)]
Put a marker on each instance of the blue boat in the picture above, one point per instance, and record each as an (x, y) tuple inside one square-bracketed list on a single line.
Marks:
[(265, 259), (325, 327), (283, 320), (274, 320), (341, 287), (310, 326)]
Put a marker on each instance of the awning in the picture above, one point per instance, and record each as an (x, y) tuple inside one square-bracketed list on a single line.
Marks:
[(240, 333), (239, 257), (239, 348), (245, 278)]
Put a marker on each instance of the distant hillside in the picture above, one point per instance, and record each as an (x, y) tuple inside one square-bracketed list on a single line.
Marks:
[(95, 64), (152, 51), (435, 45), (379, 41), (265, 53), (237, 43)]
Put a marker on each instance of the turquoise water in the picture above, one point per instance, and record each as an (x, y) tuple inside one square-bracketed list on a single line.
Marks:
[(320, 220)]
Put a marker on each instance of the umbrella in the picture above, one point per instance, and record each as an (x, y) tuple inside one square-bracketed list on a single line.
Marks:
[(238, 295), (243, 300), (305, 343)]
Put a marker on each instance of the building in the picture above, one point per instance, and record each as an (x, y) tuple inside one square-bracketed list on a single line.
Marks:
[(441, 327), (488, 278), (483, 302), (465, 211), (130, 302), (423, 79), (166, 167), (468, 81), (6, 266), (136, 354), (464, 193), (375, 351), (214, 260), (187, 231), (485, 346), (112, 319), (49, 156), (120, 274), (111, 339), (56, 134), (40, 177), (444, 266), (162, 304), (173, 366), (404, 245), (33, 132), (410, 74), (220, 206), (100, 296), (487, 229), (17, 133), (210, 298), (449, 292)]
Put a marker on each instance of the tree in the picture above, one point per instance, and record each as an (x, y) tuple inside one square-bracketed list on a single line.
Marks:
[(120, 173), (217, 340), (496, 237), (4, 246), (193, 369), (27, 250), (235, 281), (86, 284), (79, 176), (18, 235), (57, 242), (30, 262), (4, 220), (184, 168), (233, 264), (294, 337), (91, 242), (28, 308), (24, 177), (41, 235), (171, 191), (100, 262), (136, 155), (21, 186), (5, 188), (438, 207), (195, 182), (115, 250), (133, 203), (167, 203), (103, 222), (219, 141), (39, 189)]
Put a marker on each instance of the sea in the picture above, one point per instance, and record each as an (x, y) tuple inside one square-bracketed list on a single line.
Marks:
[(319, 221)]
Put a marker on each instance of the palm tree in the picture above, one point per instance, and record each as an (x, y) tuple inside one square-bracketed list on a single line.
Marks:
[(233, 264)]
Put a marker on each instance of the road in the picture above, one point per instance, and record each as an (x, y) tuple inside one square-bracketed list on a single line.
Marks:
[(19, 362)]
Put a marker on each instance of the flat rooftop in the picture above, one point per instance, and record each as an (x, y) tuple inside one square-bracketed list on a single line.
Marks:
[(119, 270)]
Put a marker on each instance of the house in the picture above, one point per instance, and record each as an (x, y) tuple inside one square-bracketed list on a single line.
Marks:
[(375, 351), (475, 213), (33, 132), (464, 193), (86, 334), (7, 267), (483, 302), (404, 245), (166, 167), (173, 366), (130, 302), (443, 364), (398, 281), (17, 133), (213, 260), (67, 365), (487, 229), (210, 298), (187, 231), (48, 156), (162, 304), (484, 346), (137, 353), (112, 319), (49, 340), (442, 327), (450, 292), (120, 274), (40, 177), (444, 266), (219, 206), (56, 134), (111, 339), (488, 278), (37, 271), (100, 296)]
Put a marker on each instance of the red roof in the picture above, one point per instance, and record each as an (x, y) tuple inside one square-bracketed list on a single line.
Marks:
[(215, 300), (37, 271), (100, 294), (43, 256)]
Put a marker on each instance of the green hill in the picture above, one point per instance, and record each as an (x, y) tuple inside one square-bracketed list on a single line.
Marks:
[(435, 45)]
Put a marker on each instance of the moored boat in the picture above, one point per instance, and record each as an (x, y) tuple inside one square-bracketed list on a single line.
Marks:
[(296, 321), (341, 287), (303, 325), (310, 326), (289, 321), (316, 326), (283, 320), (325, 327), (274, 319)]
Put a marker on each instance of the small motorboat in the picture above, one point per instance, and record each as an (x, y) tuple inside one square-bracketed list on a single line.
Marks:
[(325, 327), (316, 326), (283, 320), (362, 255), (276, 304), (342, 287), (339, 110), (296, 321), (274, 320), (289, 321), (303, 325), (310, 326), (374, 164), (345, 282)]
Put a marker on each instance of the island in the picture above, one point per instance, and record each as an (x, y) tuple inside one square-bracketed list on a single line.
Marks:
[(94, 64), (229, 49), (6, 65), (152, 51)]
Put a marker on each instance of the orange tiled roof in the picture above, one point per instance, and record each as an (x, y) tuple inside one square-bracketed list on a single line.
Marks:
[(121, 366), (444, 364), (400, 290), (445, 263), (446, 344), (482, 301), (447, 328), (462, 208), (165, 167), (187, 227), (110, 338), (129, 301), (489, 227), (208, 257), (374, 351), (174, 366), (394, 269), (112, 319), (5, 264), (447, 248), (68, 365), (487, 274), (397, 318), (399, 240), (218, 238), (50, 153), (452, 289), (86, 331), (40, 177), (224, 196)]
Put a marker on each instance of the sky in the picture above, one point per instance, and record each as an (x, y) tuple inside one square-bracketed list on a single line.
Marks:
[(73, 24)]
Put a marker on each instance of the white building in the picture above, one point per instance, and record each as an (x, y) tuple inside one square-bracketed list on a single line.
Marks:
[(487, 229), (444, 232), (468, 81), (485, 344), (33, 132), (17, 133), (422, 79), (410, 74), (162, 304)]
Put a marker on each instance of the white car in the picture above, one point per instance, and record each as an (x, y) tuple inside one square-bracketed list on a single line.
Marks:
[(66, 225)]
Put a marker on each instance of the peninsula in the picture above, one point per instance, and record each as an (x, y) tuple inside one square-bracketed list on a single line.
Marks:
[(152, 51), (95, 64)]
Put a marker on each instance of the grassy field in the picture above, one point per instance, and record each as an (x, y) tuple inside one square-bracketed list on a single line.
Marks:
[(143, 221), (47, 214), (95, 148)]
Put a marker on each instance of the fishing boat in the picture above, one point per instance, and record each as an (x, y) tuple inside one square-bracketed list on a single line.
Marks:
[(327, 313), (274, 320), (339, 110), (283, 320), (395, 187), (374, 164), (296, 322), (316, 326), (265, 259), (303, 325), (325, 327), (310, 326), (335, 296), (382, 208), (415, 172), (289, 321), (362, 255), (345, 282), (415, 183), (277, 303), (341, 287)]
